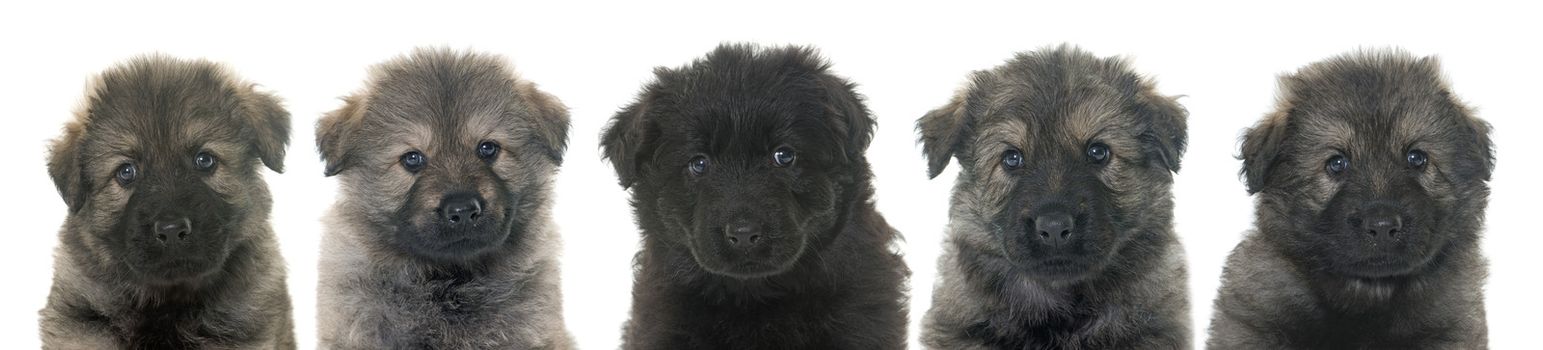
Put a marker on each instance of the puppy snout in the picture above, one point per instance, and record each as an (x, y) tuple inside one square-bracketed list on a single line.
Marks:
[(1054, 228), (173, 230), (1381, 222), (743, 234), (460, 208)]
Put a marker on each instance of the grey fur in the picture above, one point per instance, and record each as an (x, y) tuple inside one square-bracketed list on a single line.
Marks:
[(114, 286), (1288, 284), (1052, 105), (373, 293)]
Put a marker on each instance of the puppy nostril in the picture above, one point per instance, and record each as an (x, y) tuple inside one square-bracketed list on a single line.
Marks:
[(1066, 233), (734, 240), (160, 237), (754, 238), (182, 235)]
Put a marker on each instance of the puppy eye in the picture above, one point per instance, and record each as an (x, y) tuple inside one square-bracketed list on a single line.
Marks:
[(203, 161), (1417, 159), (487, 150), (126, 173), (1337, 165), (1098, 153), (414, 161), (783, 156), (697, 165), (1012, 159)]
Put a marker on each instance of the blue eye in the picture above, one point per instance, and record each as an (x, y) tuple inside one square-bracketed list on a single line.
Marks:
[(1337, 165), (487, 150), (1012, 159), (126, 173), (1098, 152), (414, 161), (203, 161), (697, 165), (1417, 158), (783, 157)]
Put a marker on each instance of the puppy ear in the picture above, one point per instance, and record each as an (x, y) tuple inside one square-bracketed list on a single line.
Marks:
[(943, 132), (1261, 149), (334, 134), (64, 166), (1483, 149), (623, 139), (847, 106), (1167, 133), (550, 127), (269, 124)]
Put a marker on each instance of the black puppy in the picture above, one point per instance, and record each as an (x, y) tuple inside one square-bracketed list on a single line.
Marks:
[(750, 184)]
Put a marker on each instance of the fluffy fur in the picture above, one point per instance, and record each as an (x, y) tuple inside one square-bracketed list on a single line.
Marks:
[(1060, 233), (158, 252), (458, 252), (751, 187), (1381, 254)]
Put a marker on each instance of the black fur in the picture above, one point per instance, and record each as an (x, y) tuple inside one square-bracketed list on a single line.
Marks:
[(824, 275)]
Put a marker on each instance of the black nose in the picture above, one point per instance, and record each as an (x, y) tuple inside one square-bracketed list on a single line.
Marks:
[(174, 230), (743, 234), (1382, 223), (1054, 228), (460, 208)]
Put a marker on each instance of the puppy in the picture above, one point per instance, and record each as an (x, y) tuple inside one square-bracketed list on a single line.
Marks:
[(441, 237), (1370, 183), (1060, 233), (167, 243), (750, 185)]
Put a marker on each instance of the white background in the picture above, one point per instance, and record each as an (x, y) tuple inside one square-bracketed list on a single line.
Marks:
[(906, 59)]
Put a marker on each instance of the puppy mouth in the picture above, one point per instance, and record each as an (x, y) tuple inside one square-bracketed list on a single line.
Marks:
[(1062, 267), (767, 259), (457, 243), (1380, 266)]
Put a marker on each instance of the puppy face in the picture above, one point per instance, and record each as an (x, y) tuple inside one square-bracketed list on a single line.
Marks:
[(1064, 155), (741, 157), (444, 154), (160, 168), (1370, 168)]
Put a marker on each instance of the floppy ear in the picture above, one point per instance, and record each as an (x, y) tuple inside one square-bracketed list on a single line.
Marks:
[(64, 166), (623, 140), (1167, 134), (943, 132), (550, 126), (1481, 145), (334, 133), (269, 124), (1261, 149), (848, 108)]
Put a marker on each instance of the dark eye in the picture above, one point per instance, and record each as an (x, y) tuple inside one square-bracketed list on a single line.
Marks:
[(1417, 159), (204, 161), (1098, 152), (414, 161), (1337, 165), (127, 173), (697, 165), (783, 156), (1012, 159), (487, 150)]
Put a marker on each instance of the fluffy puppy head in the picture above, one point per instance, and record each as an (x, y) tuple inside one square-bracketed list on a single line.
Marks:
[(1369, 170), (161, 167), (743, 156), (443, 155), (1065, 156)]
